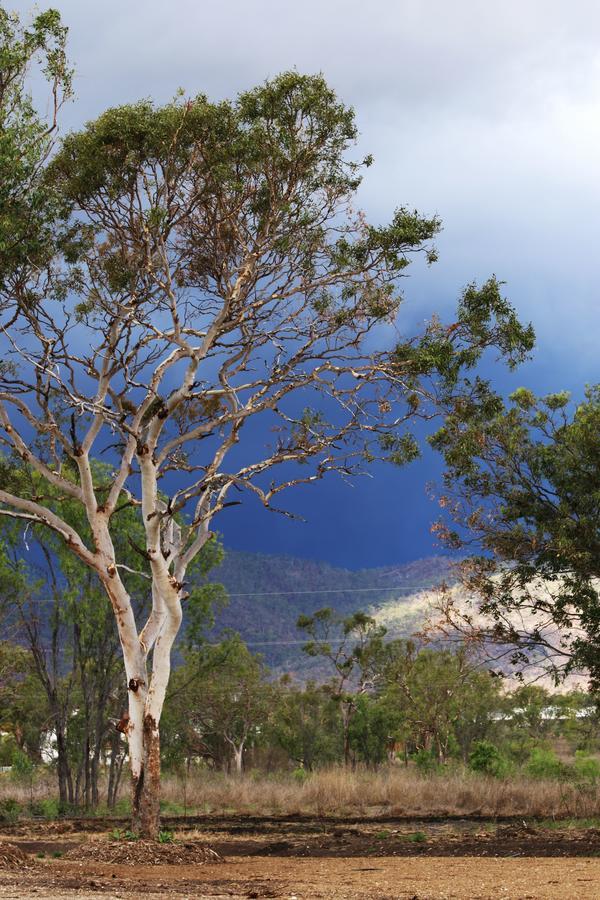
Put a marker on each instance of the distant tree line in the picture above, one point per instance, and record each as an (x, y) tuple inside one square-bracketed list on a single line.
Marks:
[(386, 702)]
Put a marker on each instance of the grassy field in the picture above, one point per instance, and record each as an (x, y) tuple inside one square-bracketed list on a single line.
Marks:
[(336, 791)]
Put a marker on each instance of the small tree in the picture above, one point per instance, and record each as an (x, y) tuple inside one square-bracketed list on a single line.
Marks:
[(305, 723), (60, 613), (353, 646), (198, 267), (231, 700)]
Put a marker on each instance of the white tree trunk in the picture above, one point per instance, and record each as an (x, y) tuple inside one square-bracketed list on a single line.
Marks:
[(238, 758)]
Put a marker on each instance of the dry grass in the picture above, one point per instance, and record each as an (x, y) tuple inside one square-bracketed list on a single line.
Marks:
[(393, 791)]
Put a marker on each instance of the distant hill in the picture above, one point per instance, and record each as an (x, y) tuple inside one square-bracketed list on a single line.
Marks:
[(268, 593)]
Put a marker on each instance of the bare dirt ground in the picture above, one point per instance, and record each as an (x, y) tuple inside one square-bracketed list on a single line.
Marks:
[(301, 857)]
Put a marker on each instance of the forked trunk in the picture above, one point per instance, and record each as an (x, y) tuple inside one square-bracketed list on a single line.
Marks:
[(146, 697), (142, 729)]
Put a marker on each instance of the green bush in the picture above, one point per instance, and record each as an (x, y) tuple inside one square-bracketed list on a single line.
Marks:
[(487, 759), (586, 768), (426, 762), (8, 745), (22, 767), (47, 808), (122, 834), (419, 837), (9, 810), (546, 764)]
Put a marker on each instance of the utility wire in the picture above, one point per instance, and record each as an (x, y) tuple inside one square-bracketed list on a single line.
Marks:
[(405, 590)]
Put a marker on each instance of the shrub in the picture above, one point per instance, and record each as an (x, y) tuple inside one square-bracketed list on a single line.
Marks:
[(487, 759), (118, 834), (586, 768), (417, 837), (22, 767), (426, 762), (9, 810), (48, 808), (545, 764)]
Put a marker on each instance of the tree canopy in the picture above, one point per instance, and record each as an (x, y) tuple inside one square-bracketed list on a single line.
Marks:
[(523, 487)]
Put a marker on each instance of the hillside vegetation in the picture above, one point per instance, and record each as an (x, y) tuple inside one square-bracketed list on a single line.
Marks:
[(267, 594)]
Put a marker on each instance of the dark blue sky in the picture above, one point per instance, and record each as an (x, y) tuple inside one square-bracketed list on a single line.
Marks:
[(486, 114)]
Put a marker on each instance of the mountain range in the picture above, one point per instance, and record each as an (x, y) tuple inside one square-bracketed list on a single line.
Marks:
[(267, 593)]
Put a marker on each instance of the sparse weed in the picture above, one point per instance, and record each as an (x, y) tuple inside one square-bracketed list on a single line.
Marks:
[(122, 834), (418, 837)]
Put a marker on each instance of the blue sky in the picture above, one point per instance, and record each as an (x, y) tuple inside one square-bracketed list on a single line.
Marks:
[(487, 114)]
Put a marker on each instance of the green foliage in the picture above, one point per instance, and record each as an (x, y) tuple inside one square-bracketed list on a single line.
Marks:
[(523, 484), (444, 700), (122, 834), (487, 759), (22, 767), (586, 769), (374, 721), (165, 836), (426, 761), (48, 808), (218, 704), (306, 725), (417, 837), (544, 763), (351, 643), (10, 810), (29, 206)]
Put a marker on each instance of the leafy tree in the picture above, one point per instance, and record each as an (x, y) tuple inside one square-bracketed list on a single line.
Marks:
[(224, 697), (374, 727), (27, 718), (61, 614), (523, 486), (305, 723), (199, 267), (442, 697), (353, 646), (15, 664), (29, 207), (529, 723)]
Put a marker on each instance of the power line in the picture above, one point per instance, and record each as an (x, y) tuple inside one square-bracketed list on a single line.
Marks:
[(405, 590)]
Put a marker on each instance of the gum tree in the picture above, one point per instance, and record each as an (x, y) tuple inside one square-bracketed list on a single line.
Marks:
[(208, 272)]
